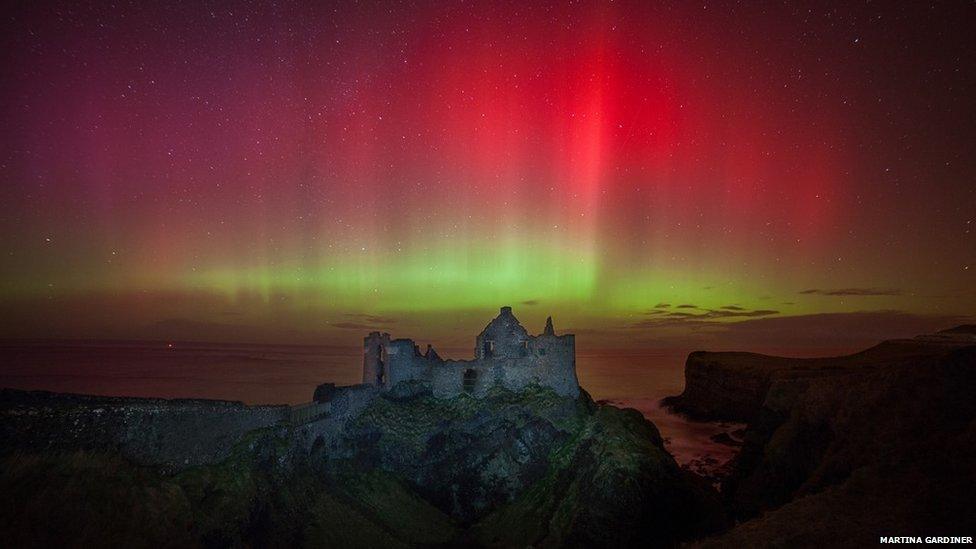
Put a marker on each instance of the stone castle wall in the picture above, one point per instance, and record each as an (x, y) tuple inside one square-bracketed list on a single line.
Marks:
[(546, 360), (343, 404)]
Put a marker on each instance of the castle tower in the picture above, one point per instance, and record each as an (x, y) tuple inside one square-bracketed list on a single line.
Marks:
[(375, 368)]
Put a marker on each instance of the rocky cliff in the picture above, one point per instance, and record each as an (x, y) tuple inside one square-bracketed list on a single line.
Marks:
[(735, 386), (840, 451), (398, 469)]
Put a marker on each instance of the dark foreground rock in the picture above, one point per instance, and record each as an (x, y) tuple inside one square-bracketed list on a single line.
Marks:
[(403, 469), (841, 451), (173, 434)]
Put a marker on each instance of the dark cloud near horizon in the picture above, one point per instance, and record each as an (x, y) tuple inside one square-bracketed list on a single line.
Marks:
[(363, 321), (710, 317), (732, 308), (372, 319), (353, 326), (852, 292), (686, 306), (530, 302), (662, 305)]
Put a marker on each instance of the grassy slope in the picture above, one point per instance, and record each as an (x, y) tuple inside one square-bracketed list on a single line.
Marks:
[(99, 499), (89, 500)]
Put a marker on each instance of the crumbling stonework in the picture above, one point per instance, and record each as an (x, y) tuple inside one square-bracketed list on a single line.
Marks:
[(505, 354)]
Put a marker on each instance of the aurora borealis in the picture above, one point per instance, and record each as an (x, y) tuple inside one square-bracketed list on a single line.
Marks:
[(292, 173)]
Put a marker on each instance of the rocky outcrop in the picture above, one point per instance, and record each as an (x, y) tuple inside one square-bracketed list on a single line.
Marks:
[(612, 486), (735, 386), (840, 451), (729, 386)]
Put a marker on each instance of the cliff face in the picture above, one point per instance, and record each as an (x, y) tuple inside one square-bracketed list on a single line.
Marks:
[(174, 434), (843, 450), (728, 386), (398, 469), (736, 386)]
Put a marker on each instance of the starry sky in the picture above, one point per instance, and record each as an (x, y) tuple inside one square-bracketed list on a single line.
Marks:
[(646, 172)]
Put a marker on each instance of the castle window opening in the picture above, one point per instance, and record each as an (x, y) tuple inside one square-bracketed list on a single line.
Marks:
[(380, 378), (469, 380)]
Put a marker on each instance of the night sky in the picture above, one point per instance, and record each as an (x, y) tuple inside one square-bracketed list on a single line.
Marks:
[(647, 174)]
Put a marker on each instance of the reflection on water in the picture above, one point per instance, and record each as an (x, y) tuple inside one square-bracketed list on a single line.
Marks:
[(639, 380), (283, 374), (705, 448)]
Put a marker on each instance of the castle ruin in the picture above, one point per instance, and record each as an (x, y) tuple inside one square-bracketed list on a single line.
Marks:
[(504, 354)]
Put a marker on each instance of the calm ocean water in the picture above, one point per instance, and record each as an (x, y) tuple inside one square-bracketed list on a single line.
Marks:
[(273, 374), (255, 374)]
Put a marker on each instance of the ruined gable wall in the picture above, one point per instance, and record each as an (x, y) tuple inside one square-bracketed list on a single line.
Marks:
[(507, 337)]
